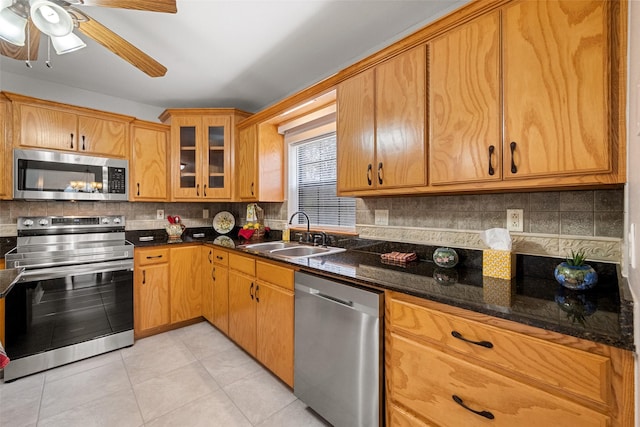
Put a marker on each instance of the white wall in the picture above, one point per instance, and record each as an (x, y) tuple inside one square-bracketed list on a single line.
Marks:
[(25, 85), (632, 262)]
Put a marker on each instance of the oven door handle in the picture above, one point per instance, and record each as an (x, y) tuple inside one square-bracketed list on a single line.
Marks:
[(75, 270)]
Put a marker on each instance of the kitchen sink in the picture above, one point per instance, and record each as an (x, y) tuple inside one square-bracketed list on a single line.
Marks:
[(291, 249)]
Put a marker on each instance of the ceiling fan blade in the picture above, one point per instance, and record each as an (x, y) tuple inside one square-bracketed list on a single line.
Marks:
[(166, 6), (20, 52), (122, 48)]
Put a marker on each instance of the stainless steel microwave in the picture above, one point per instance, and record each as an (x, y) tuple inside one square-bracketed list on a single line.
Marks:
[(52, 175)]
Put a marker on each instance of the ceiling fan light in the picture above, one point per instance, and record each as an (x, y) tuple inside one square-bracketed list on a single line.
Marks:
[(12, 27), (66, 44), (51, 18)]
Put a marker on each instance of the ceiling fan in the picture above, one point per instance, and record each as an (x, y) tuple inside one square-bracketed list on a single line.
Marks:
[(21, 22)]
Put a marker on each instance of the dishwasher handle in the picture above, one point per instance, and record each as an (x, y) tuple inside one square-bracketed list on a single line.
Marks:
[(330, 298)]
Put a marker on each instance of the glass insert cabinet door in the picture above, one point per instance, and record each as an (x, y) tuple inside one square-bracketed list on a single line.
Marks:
[(203, 158)]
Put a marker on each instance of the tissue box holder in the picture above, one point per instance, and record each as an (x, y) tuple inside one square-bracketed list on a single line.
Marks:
[(500, 264)]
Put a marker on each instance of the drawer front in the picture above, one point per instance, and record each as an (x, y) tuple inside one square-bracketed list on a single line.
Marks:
[(151, 256), (275, 274), (220, 257), (401, 418), (243, 264), (565, 368), (429, 382)]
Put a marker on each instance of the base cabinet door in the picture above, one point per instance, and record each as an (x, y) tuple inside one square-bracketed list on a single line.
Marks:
[(152, 306), (207, 283), (275, 330), (242, 311), (186, 288)]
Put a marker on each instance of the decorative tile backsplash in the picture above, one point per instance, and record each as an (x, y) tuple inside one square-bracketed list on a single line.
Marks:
[(554, 221)]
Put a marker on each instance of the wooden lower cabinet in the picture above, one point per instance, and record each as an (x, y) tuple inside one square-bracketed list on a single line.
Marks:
[(526, 377), (261, 310), (186, 287), (151, 290)]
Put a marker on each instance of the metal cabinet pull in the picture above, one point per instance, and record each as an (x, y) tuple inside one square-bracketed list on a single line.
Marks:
[(219, 257), (251, 290), (138, 184), (144, 276), (154, 256), (369, 170), (213, 274), (514, 169), (83, 143), (488, 415), (252, 187), (205, 190), (380, 173), (257, 296), (198, 190), (491, 150), (458, 335), (210, 253), (71, 141)]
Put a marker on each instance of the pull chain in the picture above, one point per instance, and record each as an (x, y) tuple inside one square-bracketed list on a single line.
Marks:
[(28, 61), (48, 61)]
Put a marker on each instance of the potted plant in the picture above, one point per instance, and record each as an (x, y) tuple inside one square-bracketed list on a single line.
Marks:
[(574, 273)]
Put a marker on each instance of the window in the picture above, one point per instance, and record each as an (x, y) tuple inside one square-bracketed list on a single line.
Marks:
[(312, 175)]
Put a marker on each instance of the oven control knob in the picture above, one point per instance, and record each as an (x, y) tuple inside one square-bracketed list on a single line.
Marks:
[(116, 220), (43, 222), (27, 222)]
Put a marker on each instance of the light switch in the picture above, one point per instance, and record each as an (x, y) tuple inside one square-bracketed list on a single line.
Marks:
[(382, 217)]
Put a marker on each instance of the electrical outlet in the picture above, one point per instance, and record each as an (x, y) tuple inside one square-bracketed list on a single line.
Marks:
[(381, 217), (515, 220), (160, 214), (205, 213)]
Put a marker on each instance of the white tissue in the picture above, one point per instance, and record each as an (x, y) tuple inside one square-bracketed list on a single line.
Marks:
[(497, 238)]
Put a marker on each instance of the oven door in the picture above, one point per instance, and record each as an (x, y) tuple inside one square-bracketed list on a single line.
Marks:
[(58, 315)]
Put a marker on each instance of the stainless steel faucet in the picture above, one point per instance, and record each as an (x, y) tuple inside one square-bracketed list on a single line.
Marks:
[(308, 234)]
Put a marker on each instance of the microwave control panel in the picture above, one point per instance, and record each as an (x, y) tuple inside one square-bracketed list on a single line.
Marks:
[(117, 180)]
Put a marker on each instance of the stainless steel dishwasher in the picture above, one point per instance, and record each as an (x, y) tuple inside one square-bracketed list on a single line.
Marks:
[(338, 351)]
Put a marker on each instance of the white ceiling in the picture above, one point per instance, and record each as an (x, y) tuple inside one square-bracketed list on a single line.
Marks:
[(238, 53)]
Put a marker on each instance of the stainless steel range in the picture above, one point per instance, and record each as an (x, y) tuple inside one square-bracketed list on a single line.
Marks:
[(75, 297)]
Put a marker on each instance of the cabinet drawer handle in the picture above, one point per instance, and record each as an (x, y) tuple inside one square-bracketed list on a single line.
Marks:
[(380, 173), (458, 335), (198, 190), (83, 143), (369, 170), (219, 257), (514, 169), (251, 290), (153, 256), (205, 190), (138, 184), (252, 187), (210, 253), (491, 150), (488, 415), (71, 141), (257, 290), (144, 276)]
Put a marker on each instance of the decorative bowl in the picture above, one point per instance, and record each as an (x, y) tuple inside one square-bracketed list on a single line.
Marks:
[(445, 257), (576, 277)]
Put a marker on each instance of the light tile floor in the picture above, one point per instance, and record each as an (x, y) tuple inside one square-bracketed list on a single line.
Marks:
[(193, 376)]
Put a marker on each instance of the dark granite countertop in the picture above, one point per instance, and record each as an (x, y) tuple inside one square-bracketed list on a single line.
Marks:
[(603, 314)]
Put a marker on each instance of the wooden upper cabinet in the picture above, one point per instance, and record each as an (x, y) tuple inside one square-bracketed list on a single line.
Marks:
[(400, 120), (148, 165), (50, 125), (355, 129), (381, 125), (465, 140), (247, 164), (202, 147), (557, 61)]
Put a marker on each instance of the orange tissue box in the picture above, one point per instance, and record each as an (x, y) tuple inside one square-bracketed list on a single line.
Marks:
[(500, 264)]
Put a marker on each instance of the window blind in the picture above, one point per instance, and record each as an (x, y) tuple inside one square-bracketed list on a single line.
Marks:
[(316, 184)]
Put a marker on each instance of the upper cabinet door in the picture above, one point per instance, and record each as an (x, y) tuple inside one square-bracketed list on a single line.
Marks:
[(44, 127), (148, 163), (102, 136), (246, 164), (186, 164), (400, 120), (465, 141), (556, 90), (356, 132), (216, 157)]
